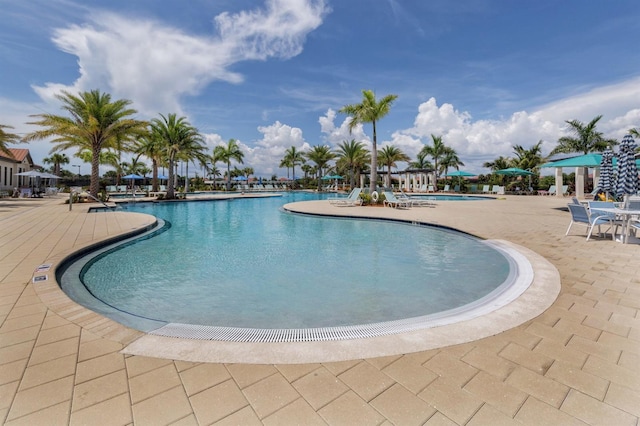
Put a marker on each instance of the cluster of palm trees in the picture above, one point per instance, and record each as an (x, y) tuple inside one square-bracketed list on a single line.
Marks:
[(352, 157), (101, 130)]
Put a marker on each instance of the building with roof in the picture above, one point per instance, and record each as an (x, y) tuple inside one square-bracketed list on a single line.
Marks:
[(19, 161)]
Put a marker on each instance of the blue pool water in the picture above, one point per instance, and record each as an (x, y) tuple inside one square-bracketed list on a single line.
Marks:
[(246, 263)]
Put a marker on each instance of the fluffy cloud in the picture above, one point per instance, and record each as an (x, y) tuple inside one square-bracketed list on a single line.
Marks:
[(154, 64), (333, 135), (265, 154)]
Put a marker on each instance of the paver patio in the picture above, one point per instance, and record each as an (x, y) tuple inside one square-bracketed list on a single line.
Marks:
[(577, 363)]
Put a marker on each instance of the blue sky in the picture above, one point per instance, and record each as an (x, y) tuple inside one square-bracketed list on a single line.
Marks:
[(484, 74)]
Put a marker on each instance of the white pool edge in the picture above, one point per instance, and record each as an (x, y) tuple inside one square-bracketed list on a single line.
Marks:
[(523, 304)]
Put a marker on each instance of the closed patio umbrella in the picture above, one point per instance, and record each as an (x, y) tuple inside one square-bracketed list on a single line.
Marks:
[(606, 182), (627, 183)]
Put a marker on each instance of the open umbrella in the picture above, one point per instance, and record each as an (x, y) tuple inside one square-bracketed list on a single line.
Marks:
[(514, 171), (132, 177), (627, 183), (460, 174), (606, 182)]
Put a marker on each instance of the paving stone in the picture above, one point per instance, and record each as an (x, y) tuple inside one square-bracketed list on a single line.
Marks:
[(457, 404), (218, 402), (401, 407), (203, 376), (320, 387), (593, 411), (366, 380), (350, 409), (545, 389), (269, 395)]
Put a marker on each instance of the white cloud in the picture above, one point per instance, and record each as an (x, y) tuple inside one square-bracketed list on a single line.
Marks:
[(264, 155), (334, 135), (154, 65), (483, 140)]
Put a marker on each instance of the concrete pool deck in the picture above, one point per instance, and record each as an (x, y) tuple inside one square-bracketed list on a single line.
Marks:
[(575, 363)]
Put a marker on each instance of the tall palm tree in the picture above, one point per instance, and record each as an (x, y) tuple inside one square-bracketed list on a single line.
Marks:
[(56, 159), (151, 147), (353, 156), (177, 135), (587, 139), (421, 162), (95, 123), (437, 151), (450, 159), (286, 163), (635, 132), (370, 111), (294, 157), (499, 163), (528, 159), (7, 138), (321, 155), (227, 153), (247, 171), (388, 156)]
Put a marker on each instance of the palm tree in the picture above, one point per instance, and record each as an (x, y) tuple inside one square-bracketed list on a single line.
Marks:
[(7, 138), (96, 123), (56, 159), (369, 111), (321, 155), (421, 162), (437, 151), (286, 163), (528, 159), (388, 156), (353, 156), (227, 153), (450, 159), (177, 136), (499, 163), (151, 147), (635, 132), (586, 138), (293, 158), (247, 171)]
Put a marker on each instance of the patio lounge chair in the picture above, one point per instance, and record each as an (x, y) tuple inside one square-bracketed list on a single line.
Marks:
[(446, 188), (551, 190), (485, 189), (580, 214), (391, 200), (415, 201), (565, 189), (352, 200)]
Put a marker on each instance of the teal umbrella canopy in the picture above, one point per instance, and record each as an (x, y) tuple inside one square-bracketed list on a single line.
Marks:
[(514, 171), (461, 173), (587, 160)]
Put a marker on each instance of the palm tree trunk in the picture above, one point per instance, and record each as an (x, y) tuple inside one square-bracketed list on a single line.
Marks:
[(186, 179), (170, 185), (374, 160), (154, 179), (94, 186)]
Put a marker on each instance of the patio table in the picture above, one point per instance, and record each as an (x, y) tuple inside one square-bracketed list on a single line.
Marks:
[(625, 215)]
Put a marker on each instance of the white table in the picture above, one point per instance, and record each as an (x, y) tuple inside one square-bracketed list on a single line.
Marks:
[(624, 214)]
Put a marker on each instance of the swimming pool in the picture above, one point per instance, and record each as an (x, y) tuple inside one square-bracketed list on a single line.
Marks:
[(245, 264)]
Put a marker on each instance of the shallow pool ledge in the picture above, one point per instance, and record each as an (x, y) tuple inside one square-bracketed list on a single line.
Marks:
[(541, 293)]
